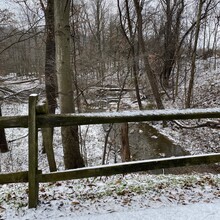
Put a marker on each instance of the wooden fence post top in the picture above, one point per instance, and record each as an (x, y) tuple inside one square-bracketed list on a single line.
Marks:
[(33, 96), (32, 103)]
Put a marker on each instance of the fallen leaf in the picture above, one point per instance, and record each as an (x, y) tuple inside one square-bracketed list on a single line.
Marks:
[(75, 202), (2, 209)]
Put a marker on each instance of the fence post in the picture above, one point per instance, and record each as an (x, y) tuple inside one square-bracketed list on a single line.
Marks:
[(47, 134), (32, 153)]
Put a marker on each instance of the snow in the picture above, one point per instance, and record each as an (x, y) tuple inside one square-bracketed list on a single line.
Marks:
[(119, 197), (148, 113), (189, 212), (135, 196)]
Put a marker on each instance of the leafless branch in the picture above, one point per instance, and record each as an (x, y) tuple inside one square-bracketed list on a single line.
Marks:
[(13, 140)]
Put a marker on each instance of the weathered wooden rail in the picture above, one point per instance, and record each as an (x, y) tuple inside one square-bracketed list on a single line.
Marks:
[(108, 117), (35, 119)]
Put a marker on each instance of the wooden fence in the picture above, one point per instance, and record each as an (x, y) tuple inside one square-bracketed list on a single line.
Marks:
[(35, 119)]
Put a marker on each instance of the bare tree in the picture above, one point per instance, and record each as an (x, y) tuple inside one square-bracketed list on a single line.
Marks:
[(50, 74), (215, 41), (70, 139), (22, 41), (3, 142), (131, 38), (173, 14), (5, 16), (193, 64), (152, 79), (125, 148)]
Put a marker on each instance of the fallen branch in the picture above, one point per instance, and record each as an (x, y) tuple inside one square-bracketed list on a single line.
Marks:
[(23, 81), (6, 90), (19, 92), (209, 124)]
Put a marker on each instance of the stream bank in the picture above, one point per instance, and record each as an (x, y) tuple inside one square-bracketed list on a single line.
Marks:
[(146, 142)]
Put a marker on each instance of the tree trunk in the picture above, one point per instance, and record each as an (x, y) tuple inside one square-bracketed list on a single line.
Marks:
[(173, 11), (50, 73), (150, 74), (3, 142), (215, 42), (125, 148), (169, 45), (70, 139), (134, 52), (193, 65)]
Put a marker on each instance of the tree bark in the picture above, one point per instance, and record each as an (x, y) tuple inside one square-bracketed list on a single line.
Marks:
[(150, 74), (133, 47), (70, 139), (50, 73), (173, 11), (3, 142), (125, 148), (50, 70), (193, 65)]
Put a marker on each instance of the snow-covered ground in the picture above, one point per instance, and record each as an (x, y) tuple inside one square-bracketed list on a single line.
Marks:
[(134, 196), (189, 212), (117, 197)]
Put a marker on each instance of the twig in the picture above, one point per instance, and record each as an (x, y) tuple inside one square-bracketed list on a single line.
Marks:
[(17, 93), (18, 138)]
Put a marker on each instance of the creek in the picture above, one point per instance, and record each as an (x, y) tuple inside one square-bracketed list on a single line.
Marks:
[(147, 143)]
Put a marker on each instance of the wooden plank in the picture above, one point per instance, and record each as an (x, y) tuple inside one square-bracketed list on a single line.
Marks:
[(125, 116), (14, 121), (3, 142), (109, 117), (18, 177), (47, 133), (130, 167), (33, 153)]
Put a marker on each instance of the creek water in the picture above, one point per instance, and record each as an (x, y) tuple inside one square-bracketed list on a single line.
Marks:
[(147, 143)]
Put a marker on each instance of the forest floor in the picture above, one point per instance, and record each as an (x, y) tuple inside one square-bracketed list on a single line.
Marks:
[(123, 194)]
